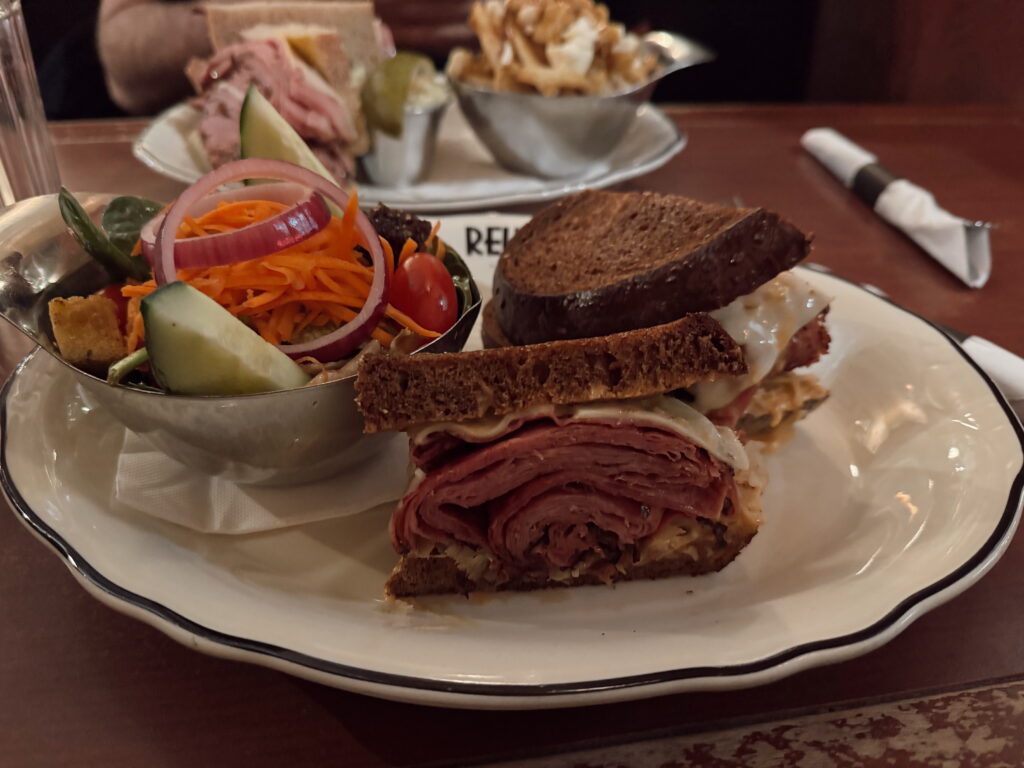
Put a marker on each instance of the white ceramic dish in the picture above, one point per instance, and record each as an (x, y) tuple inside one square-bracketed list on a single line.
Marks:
[(894, 497), (463, 177)]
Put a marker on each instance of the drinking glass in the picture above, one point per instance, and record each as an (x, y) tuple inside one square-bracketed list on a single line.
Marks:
[(27, 163)]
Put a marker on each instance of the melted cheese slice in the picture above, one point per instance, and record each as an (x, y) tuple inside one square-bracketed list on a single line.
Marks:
[(762, 323), (659, 411)]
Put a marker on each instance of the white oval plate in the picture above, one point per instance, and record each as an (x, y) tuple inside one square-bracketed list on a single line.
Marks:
[(463, 177), (896, 495)]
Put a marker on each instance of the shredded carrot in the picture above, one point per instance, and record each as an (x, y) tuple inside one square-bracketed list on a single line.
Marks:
[(356, 283), (433, 234), (389, 257), (383, 337), (440, 250), (240, 214), (349, 234), (409, 323), (190, 228), (408, 249), (329, 282), (316, 282), (308, 319), (133, 338), (136, 291)]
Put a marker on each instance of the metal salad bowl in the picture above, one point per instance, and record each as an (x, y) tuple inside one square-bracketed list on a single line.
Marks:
[(561, 136), (277, 438)]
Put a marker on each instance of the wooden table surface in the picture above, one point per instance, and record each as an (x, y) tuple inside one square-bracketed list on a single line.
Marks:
[(81, 685)]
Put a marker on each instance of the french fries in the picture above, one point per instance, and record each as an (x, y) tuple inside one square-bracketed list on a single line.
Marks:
[(551, 47)]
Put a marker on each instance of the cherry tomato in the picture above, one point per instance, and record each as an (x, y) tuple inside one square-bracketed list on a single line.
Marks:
[(423, 289), (113, 292)]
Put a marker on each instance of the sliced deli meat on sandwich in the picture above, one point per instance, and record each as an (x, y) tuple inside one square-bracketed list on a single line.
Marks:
[(576, 495), (564, 463), (601, 262), (309, 59), (297, 92)]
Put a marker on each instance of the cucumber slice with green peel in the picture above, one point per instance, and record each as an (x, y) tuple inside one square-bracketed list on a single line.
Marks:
[(196, 347), (264, 133)]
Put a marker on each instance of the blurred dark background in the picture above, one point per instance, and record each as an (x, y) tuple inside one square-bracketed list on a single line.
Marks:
[(768, 50), (63, 38)]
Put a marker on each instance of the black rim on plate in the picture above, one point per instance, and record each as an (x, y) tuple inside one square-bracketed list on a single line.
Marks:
[(77, 562)]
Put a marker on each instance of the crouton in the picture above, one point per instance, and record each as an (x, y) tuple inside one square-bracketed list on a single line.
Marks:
[(87, 332)]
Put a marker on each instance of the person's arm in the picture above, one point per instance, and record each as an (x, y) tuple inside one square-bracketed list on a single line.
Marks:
[(144, 46)]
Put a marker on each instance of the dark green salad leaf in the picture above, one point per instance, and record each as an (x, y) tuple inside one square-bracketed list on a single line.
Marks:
[(460, 277), (119, 264), (125, 217)]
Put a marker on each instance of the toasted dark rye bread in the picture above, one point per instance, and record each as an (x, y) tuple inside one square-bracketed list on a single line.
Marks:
[(598, 262), (439, 574), (402, 391), (490, 331)]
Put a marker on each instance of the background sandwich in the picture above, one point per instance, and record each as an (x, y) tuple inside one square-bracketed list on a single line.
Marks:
[(601, 262), (309, 59), (563, 463)]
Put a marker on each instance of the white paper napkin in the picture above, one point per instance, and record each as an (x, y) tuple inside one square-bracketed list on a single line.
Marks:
[(152, 483), (961, 246), (1005, 368), (837, 153), (941, 234)]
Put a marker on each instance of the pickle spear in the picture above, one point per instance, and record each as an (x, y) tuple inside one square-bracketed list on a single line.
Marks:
[(386, 90)]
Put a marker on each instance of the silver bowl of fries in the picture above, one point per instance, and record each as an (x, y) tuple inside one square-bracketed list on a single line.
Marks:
[(557, 85)]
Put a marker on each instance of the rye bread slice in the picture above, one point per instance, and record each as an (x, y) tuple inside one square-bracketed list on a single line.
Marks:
[(490, 332), (402, 391), (600, 262)]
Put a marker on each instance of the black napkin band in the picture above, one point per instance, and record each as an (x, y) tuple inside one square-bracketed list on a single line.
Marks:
[(869, 182)]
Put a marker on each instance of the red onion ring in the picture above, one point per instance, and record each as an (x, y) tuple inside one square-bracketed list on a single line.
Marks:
[(307, 214), (332, 346), (278, 192), (283, 230)]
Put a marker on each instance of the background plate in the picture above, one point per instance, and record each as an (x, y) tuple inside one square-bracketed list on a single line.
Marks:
[(895, 496), (464, 176)]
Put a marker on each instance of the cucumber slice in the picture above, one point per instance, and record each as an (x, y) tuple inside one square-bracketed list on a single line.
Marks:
[(264, 133), (196, 347)]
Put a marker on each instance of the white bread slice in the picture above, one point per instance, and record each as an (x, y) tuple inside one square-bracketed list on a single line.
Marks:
[(354, 23), (315, 44), (314, 49)]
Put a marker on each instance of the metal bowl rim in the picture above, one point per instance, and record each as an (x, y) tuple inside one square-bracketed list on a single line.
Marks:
[(460, 87)]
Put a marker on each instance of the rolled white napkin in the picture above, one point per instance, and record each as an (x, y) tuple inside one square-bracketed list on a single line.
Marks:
[(961, 246), (1003, 367), (150, 482)]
